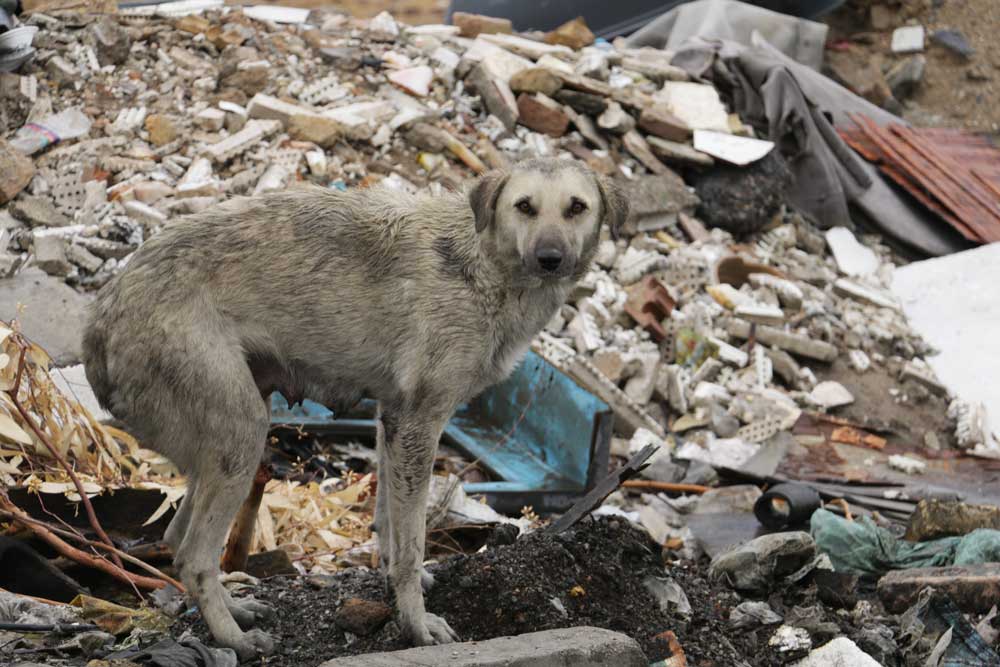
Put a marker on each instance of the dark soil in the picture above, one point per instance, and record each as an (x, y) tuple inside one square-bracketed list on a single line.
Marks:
[(509, 589)]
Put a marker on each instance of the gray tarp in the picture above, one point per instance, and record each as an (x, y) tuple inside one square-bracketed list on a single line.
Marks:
[(734, 21), (798, 108)]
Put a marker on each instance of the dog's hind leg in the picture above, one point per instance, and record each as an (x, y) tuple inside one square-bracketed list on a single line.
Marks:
[(411, 437), (231, 428)]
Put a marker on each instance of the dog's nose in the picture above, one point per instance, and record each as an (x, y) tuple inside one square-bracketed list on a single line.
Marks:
[(549, 258)]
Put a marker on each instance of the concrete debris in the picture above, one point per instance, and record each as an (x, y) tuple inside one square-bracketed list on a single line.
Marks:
[(830, 395), (908, 39), (907, 464), (853, 259), (839, 652)]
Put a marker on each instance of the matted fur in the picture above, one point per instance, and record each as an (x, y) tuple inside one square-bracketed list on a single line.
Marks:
[(420, 302)]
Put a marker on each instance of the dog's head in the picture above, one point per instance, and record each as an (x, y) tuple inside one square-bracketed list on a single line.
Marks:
[(547, 212)]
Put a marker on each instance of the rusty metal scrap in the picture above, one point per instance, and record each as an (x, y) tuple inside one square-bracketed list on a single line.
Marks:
[(953, 173)]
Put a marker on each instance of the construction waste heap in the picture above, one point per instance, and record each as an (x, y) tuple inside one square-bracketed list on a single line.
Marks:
[(778, 359)]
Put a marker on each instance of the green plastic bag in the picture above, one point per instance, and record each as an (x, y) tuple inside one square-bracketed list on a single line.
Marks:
[(863, 548)]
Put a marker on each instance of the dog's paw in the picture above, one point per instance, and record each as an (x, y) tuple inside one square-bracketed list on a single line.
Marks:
[(426, 580), (433, 630), (248, 613), (252, 644)]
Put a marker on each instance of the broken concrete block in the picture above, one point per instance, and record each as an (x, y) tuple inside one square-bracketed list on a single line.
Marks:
[(803, 346), (528, 48), (38, 212), (830, 395), (496, 94), (923, 376), (536, 80), (973, 588), (659, 121), (859, 360), (383, 28), (840, 651), (905, 76), (211, 119), (542, 114), (938, 518), (971, 428), (697, 105), (865, 294), (263, 106), (16, 171), (472, 25), (161, 129), (579, 646), (760, 314), (657, 71), (320, 130), (908, 39), (679, 153), (762, 563), (111, 41), (640, 386), (414, 80), (50, 255), (144, 213), (615, 119), (853, 259), (575, 34), (61, 71), (636, 145), (242, 141), (585, 103), (84, 258)]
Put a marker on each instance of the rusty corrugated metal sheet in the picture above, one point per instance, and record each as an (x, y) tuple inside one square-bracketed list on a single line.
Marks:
[(953, 173)]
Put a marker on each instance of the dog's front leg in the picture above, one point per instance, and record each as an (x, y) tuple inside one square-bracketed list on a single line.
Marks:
[(411, 439)]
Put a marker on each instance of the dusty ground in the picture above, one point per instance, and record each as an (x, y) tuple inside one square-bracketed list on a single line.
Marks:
[(509, 589), (955, 92)]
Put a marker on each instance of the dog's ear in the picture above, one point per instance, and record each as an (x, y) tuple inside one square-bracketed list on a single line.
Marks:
[(615, 205), (483, 197)]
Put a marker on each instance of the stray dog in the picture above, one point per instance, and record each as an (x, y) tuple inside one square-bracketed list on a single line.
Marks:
[(419, 302)]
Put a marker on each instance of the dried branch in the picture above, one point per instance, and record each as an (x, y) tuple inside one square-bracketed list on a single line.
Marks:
[(53, 537), (26, 416)]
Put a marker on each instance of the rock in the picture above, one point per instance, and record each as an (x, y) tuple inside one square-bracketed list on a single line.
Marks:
[(743, 200), (249, 80), (669, 594), (161, 129), (536, 80), (722, 423), (678, 153), (830, 395), (658, 194), (273, 563), (905, 76), (38, 212), (752, 615), (861, 75), (542, 114), (616, 120), (53, 316), (362, 617), (496, 94), (954, 41), (636, 145), (762, 563), (579, 646), (837, 589), (790, 642), (472, 25), (16, 171), (111, 40), (50, 255), (585, 103), (877, 641), (908, 39), (575, 34), (658, 120), (61, 71), (320, 130)]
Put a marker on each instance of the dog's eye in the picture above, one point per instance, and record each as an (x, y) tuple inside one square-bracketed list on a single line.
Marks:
[(524, 206), (577, 207)]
